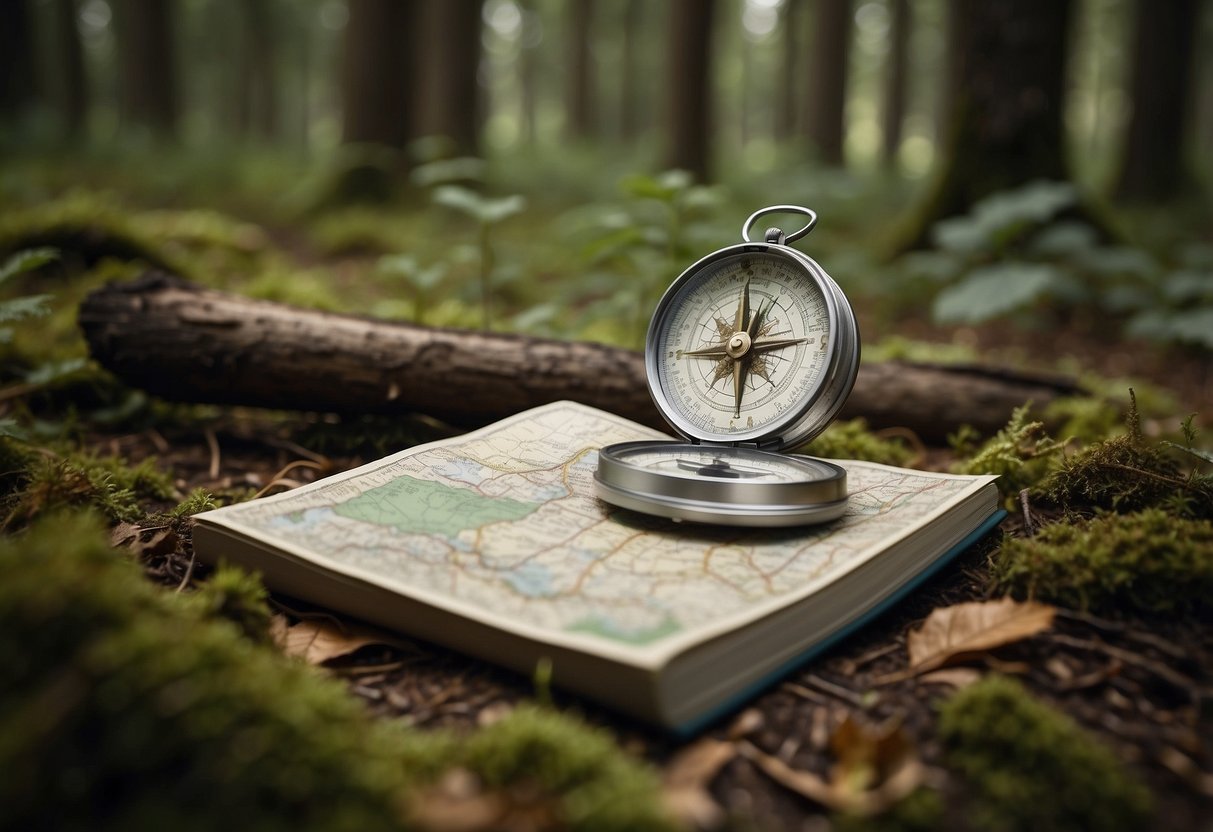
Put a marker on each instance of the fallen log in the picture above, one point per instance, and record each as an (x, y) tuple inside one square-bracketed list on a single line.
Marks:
[(186, 343)]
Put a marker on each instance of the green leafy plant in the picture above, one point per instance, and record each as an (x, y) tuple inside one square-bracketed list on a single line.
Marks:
[(1018, 252), (25, 306), (487, 213), (421, 280)]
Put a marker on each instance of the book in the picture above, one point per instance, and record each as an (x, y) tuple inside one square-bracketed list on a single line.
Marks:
[(493, 544)]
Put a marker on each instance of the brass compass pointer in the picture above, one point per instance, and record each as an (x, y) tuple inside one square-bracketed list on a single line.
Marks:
[(739, 351)]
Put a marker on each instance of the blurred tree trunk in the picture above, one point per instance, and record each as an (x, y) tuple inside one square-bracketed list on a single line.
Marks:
[(73, 103), (528, 70), (689, 85), (376, 80), (1164, 37), (17, 83), (629, 74), (895, 82), (579, 82), (829, 56), (1005, 109), (452, 66), (147, 72), (786, 121), (258, 101)]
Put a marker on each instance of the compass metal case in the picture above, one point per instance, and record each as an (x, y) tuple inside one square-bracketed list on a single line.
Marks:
[(751, 351)]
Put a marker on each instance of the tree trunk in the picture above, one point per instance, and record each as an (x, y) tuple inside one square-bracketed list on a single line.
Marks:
[(73, 100), (895, 82), (579, 82), (629, 72), (791, 78), (829, 57), (528, 71), (147, 71), (376, 81), (689, 73), (1006, 106), (452, 66), (186, 343), (1154, 164), (17, 81), (258, 87)]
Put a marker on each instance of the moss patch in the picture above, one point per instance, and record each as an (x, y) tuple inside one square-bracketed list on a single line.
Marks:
[(1031, 768), (128, 707), (1020, 454), (1147, 562), (853, 440)]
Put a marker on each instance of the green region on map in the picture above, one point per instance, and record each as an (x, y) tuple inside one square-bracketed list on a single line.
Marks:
[(426, 507)]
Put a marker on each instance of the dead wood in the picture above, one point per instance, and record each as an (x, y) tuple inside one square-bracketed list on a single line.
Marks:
[(186, 343)]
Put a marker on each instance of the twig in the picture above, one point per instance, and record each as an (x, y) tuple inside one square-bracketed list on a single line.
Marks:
[(212, 442), (1157, 642), (287, 481), (838, 691), (1029, 523), (189, 574), (1178, 680)]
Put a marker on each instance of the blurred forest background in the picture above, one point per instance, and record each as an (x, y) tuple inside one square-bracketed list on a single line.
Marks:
[(986, 173)]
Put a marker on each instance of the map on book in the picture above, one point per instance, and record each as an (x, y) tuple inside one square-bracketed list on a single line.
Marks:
[(504, 521)]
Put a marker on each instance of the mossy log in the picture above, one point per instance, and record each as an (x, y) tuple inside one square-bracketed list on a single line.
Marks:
[(186, 343)]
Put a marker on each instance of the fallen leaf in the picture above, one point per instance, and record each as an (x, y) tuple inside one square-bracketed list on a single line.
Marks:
[(124, 534), (317, 641), (874, 769), (960, 631), (458, 802), (686, 779)]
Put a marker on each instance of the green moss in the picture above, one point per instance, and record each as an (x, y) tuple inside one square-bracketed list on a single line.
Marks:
[(1127, 473), (1033, 769), (1020, 454), (601, 788), (920, 811), (1146, 562), (239, 597), (1083, 418), (128, 707), (86, 227), (107, 484), (199, 500), (853, 440)]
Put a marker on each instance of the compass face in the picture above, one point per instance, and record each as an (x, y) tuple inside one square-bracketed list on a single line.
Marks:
[(741, 345)]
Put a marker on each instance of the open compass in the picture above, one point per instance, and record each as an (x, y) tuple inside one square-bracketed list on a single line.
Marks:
[(751, 351)]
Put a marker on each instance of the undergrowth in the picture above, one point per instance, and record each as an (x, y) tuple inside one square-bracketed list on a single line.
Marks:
[(853, 440), (129, 707), (1019, 454), (1031, 768), (1148, 562)]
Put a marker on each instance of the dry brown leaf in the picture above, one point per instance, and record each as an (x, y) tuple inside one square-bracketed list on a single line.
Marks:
[(317, 641), (686, 779), (458, 802), (962, 630), (874, 769)]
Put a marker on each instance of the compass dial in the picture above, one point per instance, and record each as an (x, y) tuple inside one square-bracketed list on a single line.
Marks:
[(743, 344)]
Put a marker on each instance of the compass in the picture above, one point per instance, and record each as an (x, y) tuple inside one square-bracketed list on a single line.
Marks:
[(751, 351)]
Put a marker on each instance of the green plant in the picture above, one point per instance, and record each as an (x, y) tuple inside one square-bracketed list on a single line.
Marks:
[(26, 306), (1127, 473), (1020, 453), (1031, 768), (851, 439), (422, 281), (487, 213), (1018, 251), (1145, 562)]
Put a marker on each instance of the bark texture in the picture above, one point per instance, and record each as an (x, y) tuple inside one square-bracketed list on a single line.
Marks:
[(186, 343)]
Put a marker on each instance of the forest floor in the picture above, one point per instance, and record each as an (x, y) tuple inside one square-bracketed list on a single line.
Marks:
[(1142, 684)]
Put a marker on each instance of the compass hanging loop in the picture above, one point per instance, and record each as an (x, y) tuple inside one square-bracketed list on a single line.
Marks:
[(780, 209)]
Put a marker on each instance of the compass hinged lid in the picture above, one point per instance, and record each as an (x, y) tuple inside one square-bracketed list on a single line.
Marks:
[(752, 345)]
